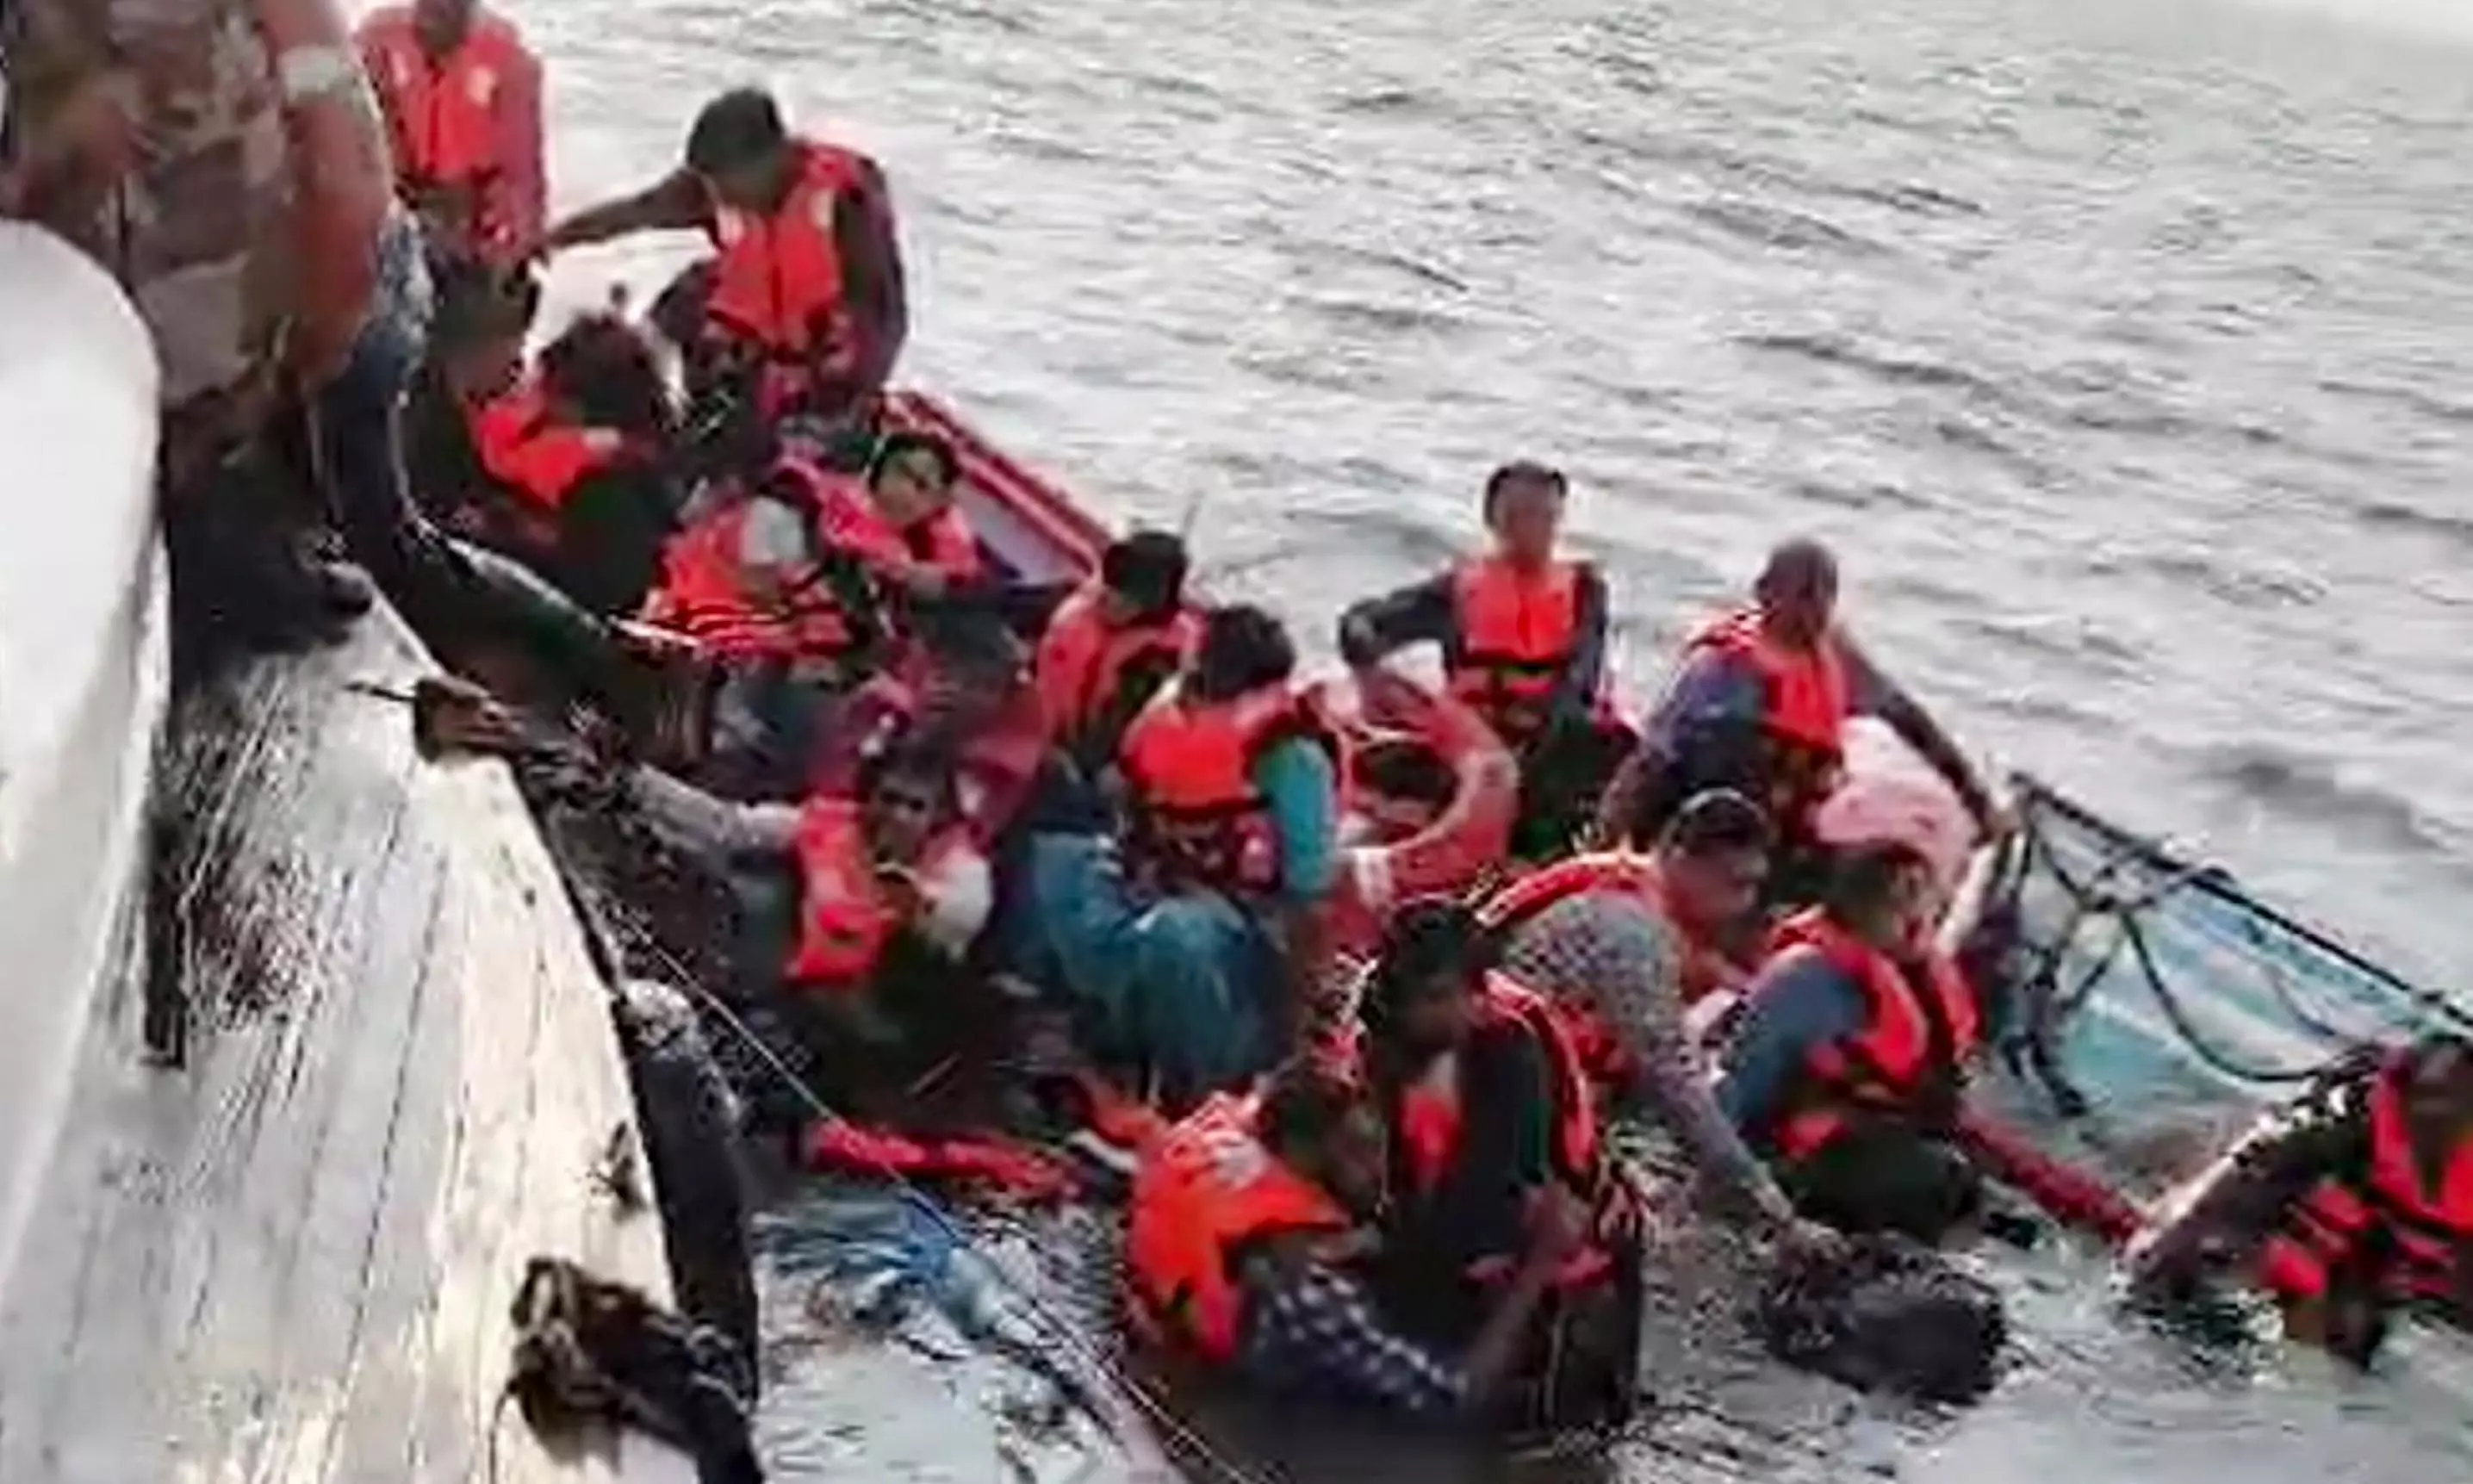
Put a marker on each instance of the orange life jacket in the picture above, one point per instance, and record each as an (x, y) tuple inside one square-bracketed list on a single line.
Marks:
[(1808, 696), (1205, 1191), (777, 283), (525, 448), (852, 522), (844, 921), (2430, 1226), (1909, 1060), (1082, 657), (1706, 970), (1191, 765), (1513, 634), (707, 593), (1430, 1118), (442, 113)]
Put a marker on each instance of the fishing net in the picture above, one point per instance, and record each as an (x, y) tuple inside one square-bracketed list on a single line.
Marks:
[(2119, 968)]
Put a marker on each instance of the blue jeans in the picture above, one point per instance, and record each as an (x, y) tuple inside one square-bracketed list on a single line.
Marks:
[(1178, 986)]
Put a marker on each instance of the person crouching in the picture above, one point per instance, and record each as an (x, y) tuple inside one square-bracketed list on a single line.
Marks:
[(1490, 1109)]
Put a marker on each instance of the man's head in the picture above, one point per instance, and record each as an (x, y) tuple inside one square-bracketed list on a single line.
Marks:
[(441, 26), (1712, 857), (1421, 999), (1797, 592), (741, 150), (1523, 509), (904, 794), (1324, 1127), (1242, 649), (1884, 893), (911, 476), (1141, 578)]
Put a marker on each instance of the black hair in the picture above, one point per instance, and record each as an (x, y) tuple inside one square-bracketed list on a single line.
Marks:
[(911, 757), (1863, 881), (1404, 769), (1520, 471), (1243, 648), (603, 364), (906, 440), (1425, 940), (1797, 562), (741, 127), (1147, 570), (1303, 1103), (1717, 822)]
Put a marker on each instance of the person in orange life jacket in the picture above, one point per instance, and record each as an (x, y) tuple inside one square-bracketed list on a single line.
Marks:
[(1489, 1108), (1523, 635), (903, 523), (1251, 1223), (2349, 1205), (1112, 643), (803, 302), (462, 96), (1759, 703), (1848, 1067), (1398, 788), (1188, 967)]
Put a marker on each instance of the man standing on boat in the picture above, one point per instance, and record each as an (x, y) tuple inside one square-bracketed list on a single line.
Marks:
[(1761, 702), (802, 309), (462, 96), (1524, 639)]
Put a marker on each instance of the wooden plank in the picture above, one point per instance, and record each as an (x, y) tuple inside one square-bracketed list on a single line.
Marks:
[(292, 1259)]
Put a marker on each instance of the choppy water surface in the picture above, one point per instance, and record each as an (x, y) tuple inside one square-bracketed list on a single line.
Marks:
[(2125, 347)]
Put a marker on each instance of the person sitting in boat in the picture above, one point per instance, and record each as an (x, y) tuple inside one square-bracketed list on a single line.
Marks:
[(1246, 1242), (1177, 965), (803, 307), (1523, 635), (462, 97), (1398, 787), (1760, 702), (1489, 1107), (900, 519), (2350, 1206), (558, 465), (1848, 1067), (1112, 643), (1630, 944)]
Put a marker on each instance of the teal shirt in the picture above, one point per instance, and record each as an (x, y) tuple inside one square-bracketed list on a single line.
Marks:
[(1300, 787)]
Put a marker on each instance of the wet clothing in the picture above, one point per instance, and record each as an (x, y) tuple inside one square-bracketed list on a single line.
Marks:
[(1095, 677), (1526, 650), (466, 132), (1316, 1333), (1201, 817), (1608, 949)]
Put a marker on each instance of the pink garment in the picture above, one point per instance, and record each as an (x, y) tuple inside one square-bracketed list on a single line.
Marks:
[(1890, 796)]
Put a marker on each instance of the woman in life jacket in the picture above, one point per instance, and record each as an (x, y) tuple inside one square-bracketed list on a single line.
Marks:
[(1849, 1066), (801, 310), (1186, 955), (1759, 703), (902, 521), (1489, 1108), (1112, 645), (2348, 1207), (1247, 1246), (1523, 635)]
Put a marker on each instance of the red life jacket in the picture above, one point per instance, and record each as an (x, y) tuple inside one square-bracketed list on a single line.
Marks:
[(707, 592), (778, 284), (441, 114), (852, 522), (1706, 970), (1910, 1058), (1191, 765), (524, 447), (1514, 632), (1200, 1196), (1808, 698), (1082, 657), (844, 920), (2431, 1225)]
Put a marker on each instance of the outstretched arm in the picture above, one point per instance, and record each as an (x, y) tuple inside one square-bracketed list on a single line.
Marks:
[(714, 831), (676, 203), (1370, 631)]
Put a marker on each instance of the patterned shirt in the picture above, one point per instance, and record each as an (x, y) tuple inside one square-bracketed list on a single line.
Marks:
[(1610, 951), (1312, 1331)]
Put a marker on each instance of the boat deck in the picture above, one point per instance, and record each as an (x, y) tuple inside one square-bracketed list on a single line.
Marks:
[(292, 1257)]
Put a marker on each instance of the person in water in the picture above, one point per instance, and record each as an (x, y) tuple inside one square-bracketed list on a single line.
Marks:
[(1112, 643), (1250, 1227), (1523, 634), (462, 97), (2350, 1206), (1189, 966), (1761, 702), (1490, 1112), (802, 308), (1848, 1068), (1629, 943)]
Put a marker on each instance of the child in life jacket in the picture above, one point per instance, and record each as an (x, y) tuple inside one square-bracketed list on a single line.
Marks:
[(2350, 1206)]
